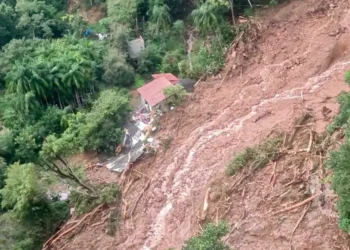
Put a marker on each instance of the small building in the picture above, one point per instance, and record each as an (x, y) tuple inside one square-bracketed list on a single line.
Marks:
[(170, 77), (152, 92), (136, 47)]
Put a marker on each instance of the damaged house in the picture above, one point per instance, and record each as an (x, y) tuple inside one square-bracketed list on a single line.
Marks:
[(130, 150), (152, 92)]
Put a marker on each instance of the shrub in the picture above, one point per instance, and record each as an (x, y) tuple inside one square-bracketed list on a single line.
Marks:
[(206, 61), (25, 198), (26, 146), (6, 144), (117, 71), (179, 28), (209, 239), (84, 203), (256, 157), (344, 114), (150, 59), (119, 36), (170, 62), (273, 3), (3, 169), (339, 161), (174, 94), (347, 77)]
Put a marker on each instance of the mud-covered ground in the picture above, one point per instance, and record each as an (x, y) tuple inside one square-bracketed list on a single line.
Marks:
[(296, 66)]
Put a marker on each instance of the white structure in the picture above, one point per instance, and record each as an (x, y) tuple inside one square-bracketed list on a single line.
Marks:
[(136, 47)]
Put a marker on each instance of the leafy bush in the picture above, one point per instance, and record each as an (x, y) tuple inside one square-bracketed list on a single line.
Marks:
[(7, 23), (209, 239), (25, 198), (339, 161), (84, 203), (14, 235), (119, 36), (117, 71), (99, 128), (102, 128), (205, 61), (139, 82), (174, 94), (26, 145), (6, 144), (121, 11), (150, 60), (3, 170), (256, 157), (347, 77), (171, 60), (344, 113), (273, 3)]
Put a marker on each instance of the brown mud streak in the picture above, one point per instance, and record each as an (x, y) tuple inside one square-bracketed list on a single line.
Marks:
[(279, 77)]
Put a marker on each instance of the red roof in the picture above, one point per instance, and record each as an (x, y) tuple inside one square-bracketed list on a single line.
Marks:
[(170, 77), (153, 92)]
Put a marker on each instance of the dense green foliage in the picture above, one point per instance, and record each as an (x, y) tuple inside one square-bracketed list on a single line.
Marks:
[(174, 94), (24, 197), (209, 239), (106, 194), (100, 128), (339, 161)]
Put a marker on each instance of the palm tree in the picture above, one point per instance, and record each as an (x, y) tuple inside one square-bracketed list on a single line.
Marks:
[(18, 79), (206, 17), (160, 16)]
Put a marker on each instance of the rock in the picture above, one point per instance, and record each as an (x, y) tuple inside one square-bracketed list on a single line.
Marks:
[(334, 32)]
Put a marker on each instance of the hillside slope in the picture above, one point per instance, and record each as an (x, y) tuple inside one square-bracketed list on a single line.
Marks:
[(296, 66)]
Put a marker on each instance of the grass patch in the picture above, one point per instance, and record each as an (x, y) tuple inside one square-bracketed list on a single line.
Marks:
[(209, 239), (255, 157), (139, 82)]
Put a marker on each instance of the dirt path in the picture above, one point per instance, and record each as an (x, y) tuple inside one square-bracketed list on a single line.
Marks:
[(296, 66)]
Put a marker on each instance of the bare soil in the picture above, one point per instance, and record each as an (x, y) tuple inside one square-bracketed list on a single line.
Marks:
[(296, 66), (91, 15)]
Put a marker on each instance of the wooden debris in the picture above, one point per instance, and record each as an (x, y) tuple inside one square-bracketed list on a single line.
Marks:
[(223, 79), (307, 207), (140, 195), (205, 205), (199, 80), (299, 122), (262, 116), (310, 141), (102, 221), (60, 234), (273, 175), (233, 45), (128, 186), (296, 205), (143, 174)]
